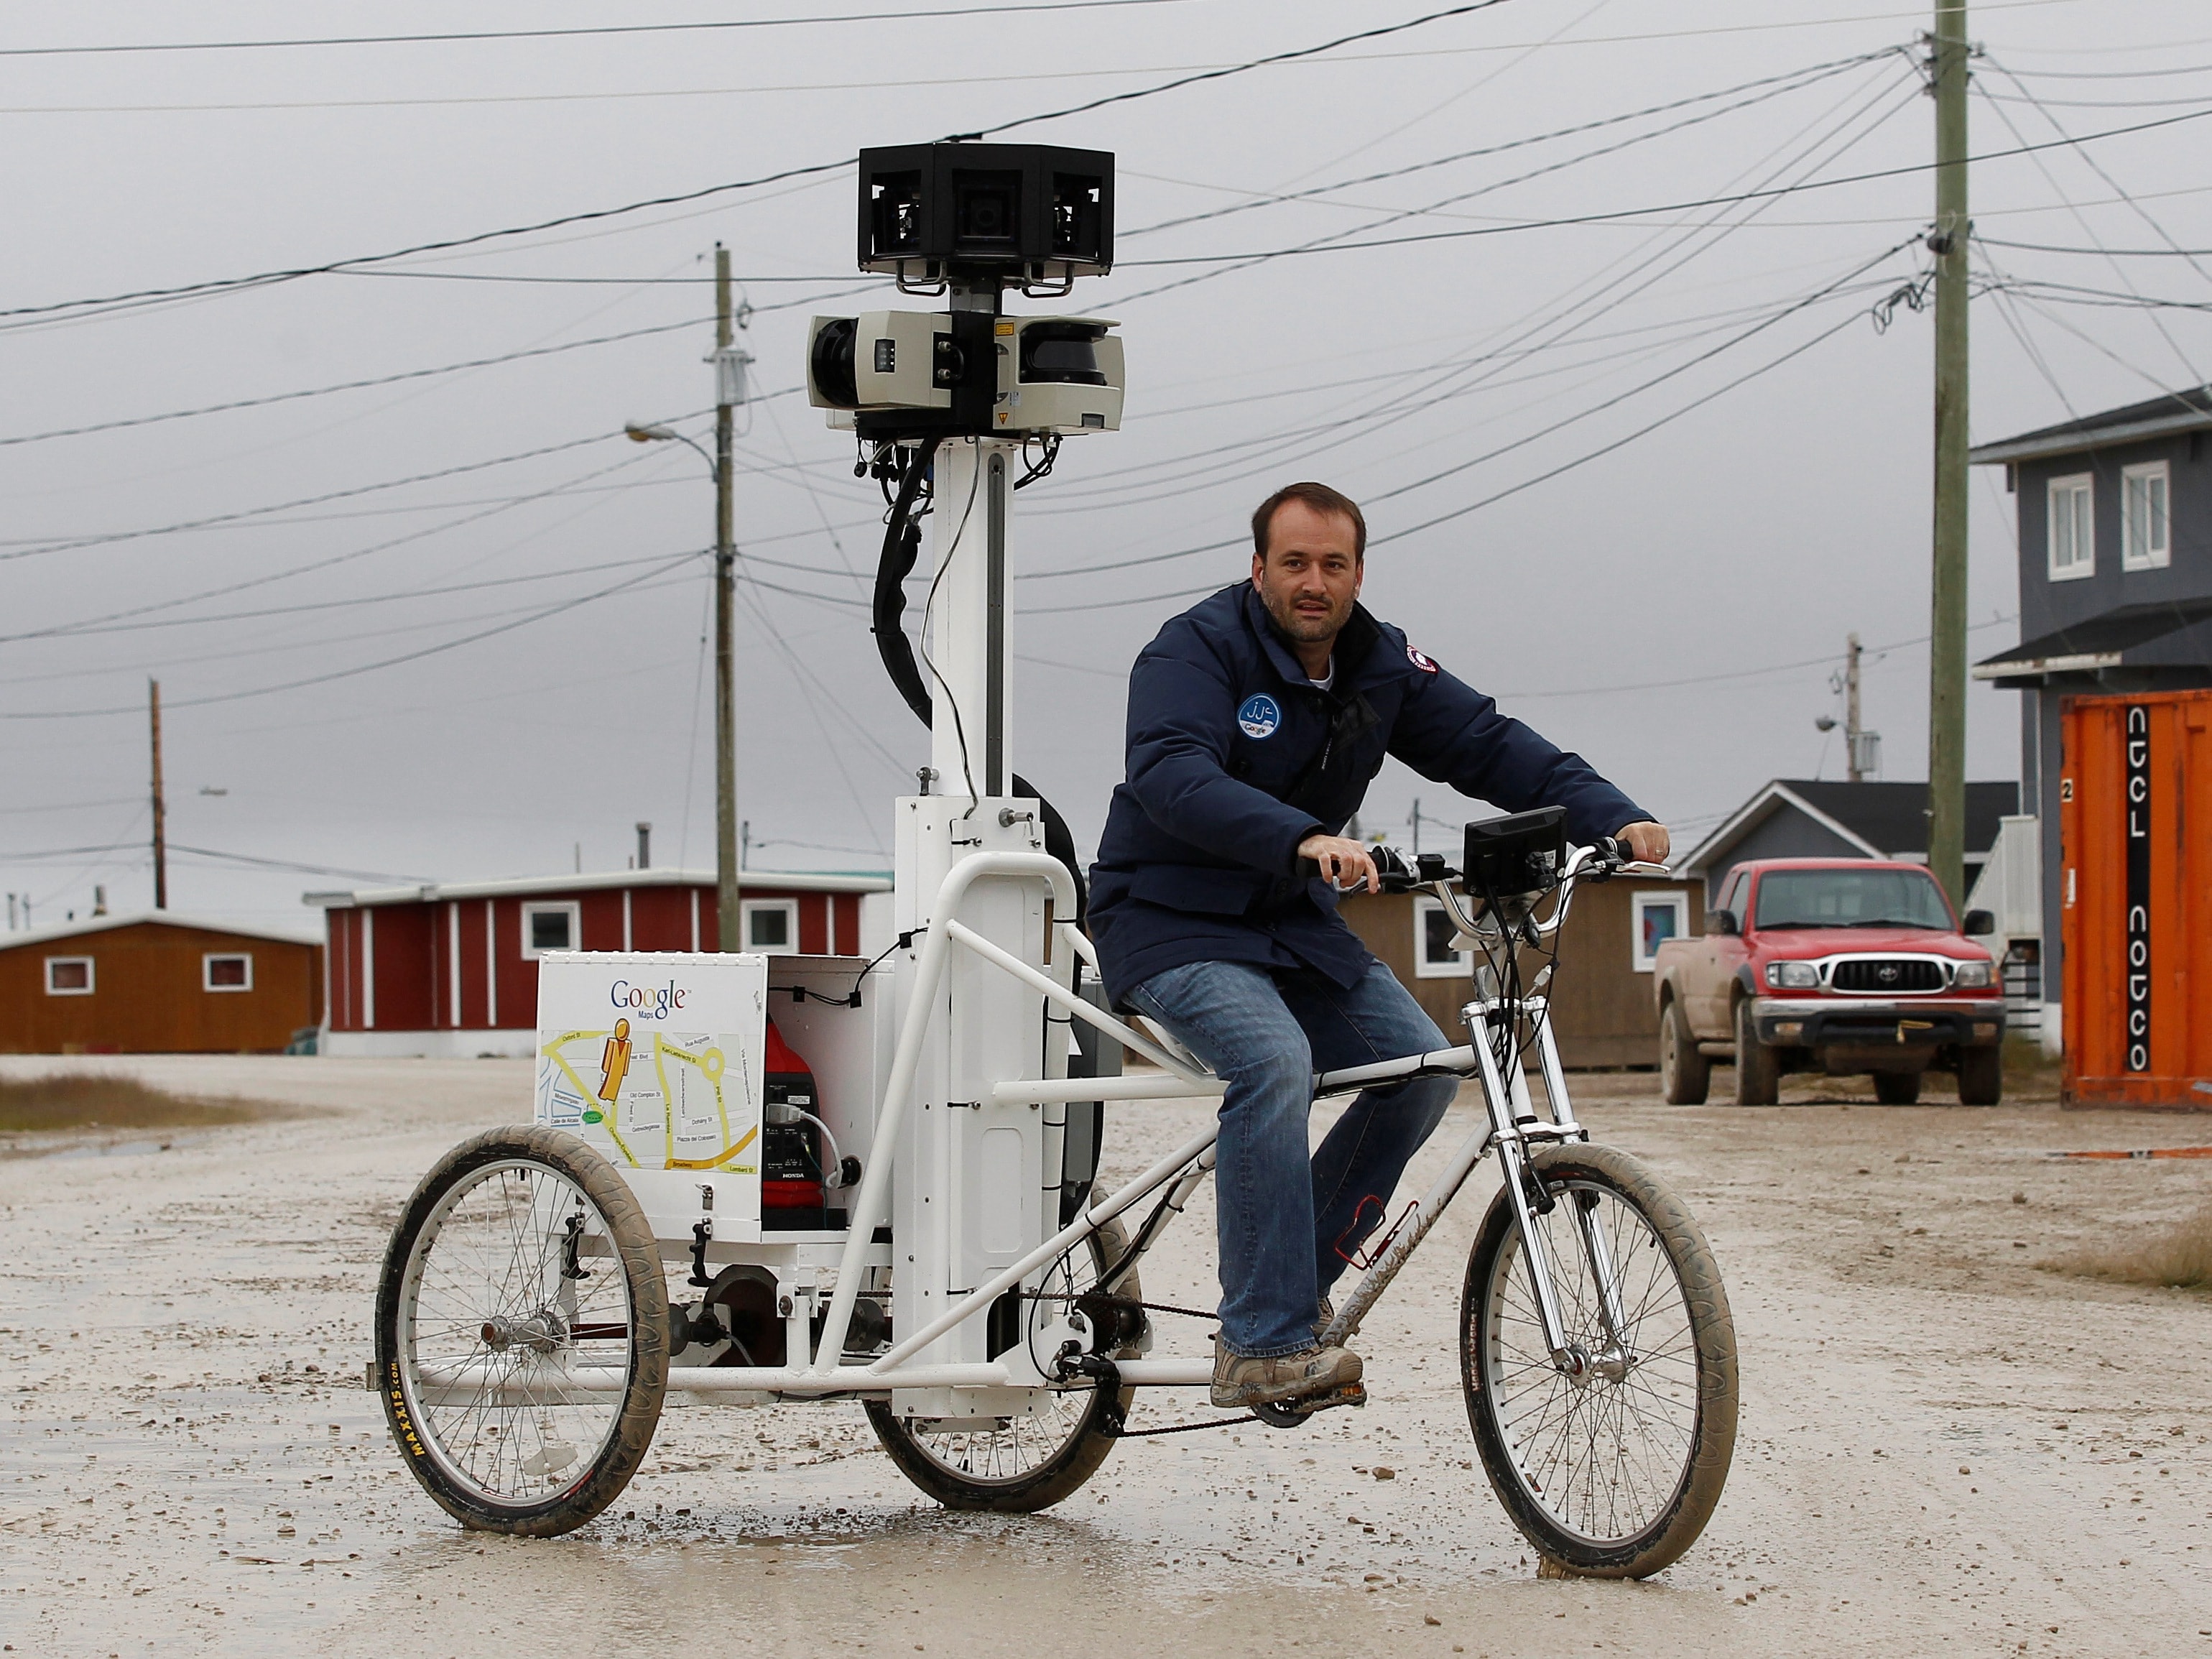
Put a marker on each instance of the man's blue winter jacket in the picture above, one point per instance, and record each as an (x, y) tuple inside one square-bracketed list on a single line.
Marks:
[(1236, 756)]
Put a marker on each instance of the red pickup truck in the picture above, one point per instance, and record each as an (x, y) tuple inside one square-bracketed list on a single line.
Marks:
[(1831, 965)]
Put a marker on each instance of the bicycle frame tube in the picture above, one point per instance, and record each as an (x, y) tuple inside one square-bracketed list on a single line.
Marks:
[(1513, 1115), (872, 1207)]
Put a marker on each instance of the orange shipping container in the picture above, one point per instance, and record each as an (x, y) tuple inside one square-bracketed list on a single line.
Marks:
[(2136, 820)]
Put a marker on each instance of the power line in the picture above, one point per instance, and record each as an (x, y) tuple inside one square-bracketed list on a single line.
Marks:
[(152, 295), (288, 864), (2073, 294), (109, 537), (1406, 404), (72, 630), (2101, 253), (1669, 207), (1514, 490), (362, 668), (571, 34), (1267, 62), (350, 386), (2110, 75), (1810, 76), (1732, 674)]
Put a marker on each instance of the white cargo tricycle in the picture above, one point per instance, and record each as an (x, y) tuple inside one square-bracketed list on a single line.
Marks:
[(875, 1180)]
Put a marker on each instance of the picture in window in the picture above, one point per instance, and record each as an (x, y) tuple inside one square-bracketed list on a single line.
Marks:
[(1657, 917)]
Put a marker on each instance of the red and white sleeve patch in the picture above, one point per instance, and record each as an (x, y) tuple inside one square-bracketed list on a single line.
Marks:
[(1419, 662)]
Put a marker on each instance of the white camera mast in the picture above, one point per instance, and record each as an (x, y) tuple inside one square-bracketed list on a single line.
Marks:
[(945, 405)]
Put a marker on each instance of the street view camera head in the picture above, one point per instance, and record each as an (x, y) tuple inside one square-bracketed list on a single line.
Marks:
[(970, 220), (986, 216)]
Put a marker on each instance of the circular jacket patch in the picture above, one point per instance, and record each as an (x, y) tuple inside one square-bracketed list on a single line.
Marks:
[(1260, 716), (1419, 662)]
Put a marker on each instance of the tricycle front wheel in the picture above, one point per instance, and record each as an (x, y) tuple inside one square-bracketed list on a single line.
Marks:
[(1610, 1463)]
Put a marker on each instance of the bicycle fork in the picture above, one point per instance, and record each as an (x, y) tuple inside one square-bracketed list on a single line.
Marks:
[(1513, 1113)]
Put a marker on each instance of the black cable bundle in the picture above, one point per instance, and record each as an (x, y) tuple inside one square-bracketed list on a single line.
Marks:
[(901, 550)]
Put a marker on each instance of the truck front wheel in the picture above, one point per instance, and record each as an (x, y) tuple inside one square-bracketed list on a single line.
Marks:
[(1758, 1067), (1981, 1076), (1686, 1076)]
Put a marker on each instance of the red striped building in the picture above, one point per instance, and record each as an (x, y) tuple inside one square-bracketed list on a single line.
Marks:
[(452, 970)]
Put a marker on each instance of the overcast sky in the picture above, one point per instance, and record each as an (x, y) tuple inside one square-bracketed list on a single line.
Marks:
[(1471, 371)]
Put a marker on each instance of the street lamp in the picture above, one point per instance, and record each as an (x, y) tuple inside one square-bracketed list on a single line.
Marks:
[(729, 392)]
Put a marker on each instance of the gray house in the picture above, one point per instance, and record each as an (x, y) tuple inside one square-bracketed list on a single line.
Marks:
[(1811, 819), (2115, 533)]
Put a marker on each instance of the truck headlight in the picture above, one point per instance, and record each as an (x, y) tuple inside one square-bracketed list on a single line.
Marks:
[(1973, 976), (1793, 976)]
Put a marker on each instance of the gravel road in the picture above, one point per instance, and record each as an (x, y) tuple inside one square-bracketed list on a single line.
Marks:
[(1945, 1447)]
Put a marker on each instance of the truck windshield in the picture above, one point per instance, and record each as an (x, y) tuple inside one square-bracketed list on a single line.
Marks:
[(1850, 898)]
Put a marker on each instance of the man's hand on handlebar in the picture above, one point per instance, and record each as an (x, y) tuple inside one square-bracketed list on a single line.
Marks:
[(1345, 864), (1645, 842)]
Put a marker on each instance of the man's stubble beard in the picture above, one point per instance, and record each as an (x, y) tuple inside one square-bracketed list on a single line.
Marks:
[(1297, 627)]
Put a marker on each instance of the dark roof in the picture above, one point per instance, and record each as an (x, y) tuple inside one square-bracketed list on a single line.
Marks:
[(2173, 412), (2100, 642), (1894, 815)]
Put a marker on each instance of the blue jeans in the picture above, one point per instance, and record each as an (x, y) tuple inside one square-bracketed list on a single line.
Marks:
[(1282, 1220)]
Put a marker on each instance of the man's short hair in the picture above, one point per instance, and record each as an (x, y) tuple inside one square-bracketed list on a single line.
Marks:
[(1322, 498)]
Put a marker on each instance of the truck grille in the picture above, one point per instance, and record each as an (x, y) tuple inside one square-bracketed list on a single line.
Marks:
[(1886, 975)]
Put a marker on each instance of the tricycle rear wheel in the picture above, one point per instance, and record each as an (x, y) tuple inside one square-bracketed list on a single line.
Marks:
[(1019, 1465), (522, 1267)]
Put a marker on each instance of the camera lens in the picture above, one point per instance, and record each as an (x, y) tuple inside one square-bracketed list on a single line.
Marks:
[(830, 364), (1066, 353), (987, 210)]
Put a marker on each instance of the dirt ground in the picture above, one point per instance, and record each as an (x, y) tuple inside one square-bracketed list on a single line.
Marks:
[(1944, 1447)]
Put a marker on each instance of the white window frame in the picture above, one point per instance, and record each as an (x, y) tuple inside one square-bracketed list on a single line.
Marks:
[(2155, 554), (91, 977), (2085, 563), (208, 960), (748, 908), (1463, 962), (1639, 905), (570, 907)]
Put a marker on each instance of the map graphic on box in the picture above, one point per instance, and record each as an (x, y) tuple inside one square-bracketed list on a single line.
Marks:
[(654, 1058)]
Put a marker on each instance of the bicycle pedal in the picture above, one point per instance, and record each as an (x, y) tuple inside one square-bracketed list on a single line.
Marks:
[(1294, 1414)]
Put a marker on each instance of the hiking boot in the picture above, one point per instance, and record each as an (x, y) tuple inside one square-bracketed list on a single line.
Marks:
[(1323, 1316), (1242, 1381)]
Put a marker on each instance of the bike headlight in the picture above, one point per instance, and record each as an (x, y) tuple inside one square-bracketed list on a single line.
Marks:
[(1973, 976), (1793, 976)]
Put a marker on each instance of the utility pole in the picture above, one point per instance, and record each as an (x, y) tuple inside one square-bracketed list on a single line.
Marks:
[(1946, 667), (729, 391), (160, 807), (1852, 709)]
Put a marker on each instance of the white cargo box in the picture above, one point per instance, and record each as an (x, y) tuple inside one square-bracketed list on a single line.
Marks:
[(654, 1058)]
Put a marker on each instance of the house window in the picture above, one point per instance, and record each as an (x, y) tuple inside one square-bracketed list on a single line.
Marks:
[(771, 925), (1654, 918), (220, 972), (1435, 956), (69, 976), (2072, 535), (550, 926), (2146, 536)]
